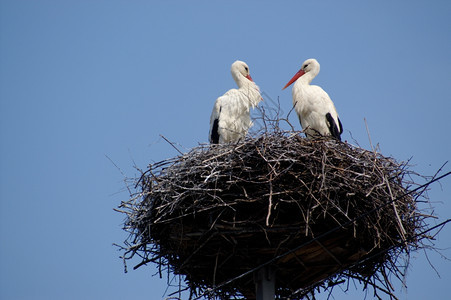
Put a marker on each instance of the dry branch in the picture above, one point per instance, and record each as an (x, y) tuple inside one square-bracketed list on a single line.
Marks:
[(319, 211)]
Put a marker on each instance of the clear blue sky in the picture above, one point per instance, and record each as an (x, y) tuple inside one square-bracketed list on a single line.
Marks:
[(80, 80)]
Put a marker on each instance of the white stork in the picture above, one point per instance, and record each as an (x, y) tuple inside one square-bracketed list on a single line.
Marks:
[(230, 119), (316, 112)]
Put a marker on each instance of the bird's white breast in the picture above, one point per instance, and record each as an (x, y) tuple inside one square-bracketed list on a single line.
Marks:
[(312, 104)]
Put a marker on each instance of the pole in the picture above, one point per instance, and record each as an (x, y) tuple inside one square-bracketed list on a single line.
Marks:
[(265, 283)]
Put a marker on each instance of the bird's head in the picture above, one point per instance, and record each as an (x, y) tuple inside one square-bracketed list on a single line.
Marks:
[(310, 66), (240, 68)]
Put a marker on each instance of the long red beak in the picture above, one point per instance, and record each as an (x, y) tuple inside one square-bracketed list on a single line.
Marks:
[(249, 77), (295, 77)]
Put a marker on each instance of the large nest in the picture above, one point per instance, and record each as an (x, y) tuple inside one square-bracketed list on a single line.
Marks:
[(318, 212)]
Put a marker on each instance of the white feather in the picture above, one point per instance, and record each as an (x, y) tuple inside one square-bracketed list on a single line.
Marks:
[(232, 110), (312, 103)]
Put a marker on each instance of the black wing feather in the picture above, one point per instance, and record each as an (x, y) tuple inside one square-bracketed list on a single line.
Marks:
[(333, 129), (214, 132)]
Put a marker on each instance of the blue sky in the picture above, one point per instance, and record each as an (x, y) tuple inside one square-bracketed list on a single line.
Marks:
[(82, 80)]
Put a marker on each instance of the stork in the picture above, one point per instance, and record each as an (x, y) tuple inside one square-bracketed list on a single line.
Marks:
[(230, 119), (315, 109)]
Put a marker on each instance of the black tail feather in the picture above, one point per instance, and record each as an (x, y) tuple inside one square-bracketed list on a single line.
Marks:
[(214, 138), (333, 129)]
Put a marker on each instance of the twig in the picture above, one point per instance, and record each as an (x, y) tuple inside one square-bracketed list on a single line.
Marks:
[(172, 144), (270, 200), (369, 136)]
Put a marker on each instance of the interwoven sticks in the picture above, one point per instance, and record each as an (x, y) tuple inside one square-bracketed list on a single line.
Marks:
[(318, 211)]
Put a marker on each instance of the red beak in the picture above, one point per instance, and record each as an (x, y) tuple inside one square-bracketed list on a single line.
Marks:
[(249, 77), (295, 77)]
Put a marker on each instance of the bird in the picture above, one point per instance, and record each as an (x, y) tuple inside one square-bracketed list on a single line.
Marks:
[(230, 119), (315, 109)]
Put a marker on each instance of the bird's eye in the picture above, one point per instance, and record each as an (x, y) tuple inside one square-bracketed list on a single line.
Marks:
[(247, 70)]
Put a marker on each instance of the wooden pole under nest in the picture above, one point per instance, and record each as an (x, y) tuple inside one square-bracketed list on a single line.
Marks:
[(265, 283)]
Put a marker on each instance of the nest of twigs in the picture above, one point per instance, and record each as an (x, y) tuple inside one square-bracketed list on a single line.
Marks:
[(318, 212)]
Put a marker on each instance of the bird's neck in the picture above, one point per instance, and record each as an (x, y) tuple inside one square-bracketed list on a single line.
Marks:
[(251, 92), (306, 79)]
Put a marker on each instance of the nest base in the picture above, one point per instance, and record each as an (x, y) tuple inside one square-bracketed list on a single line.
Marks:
[(315, 211)]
